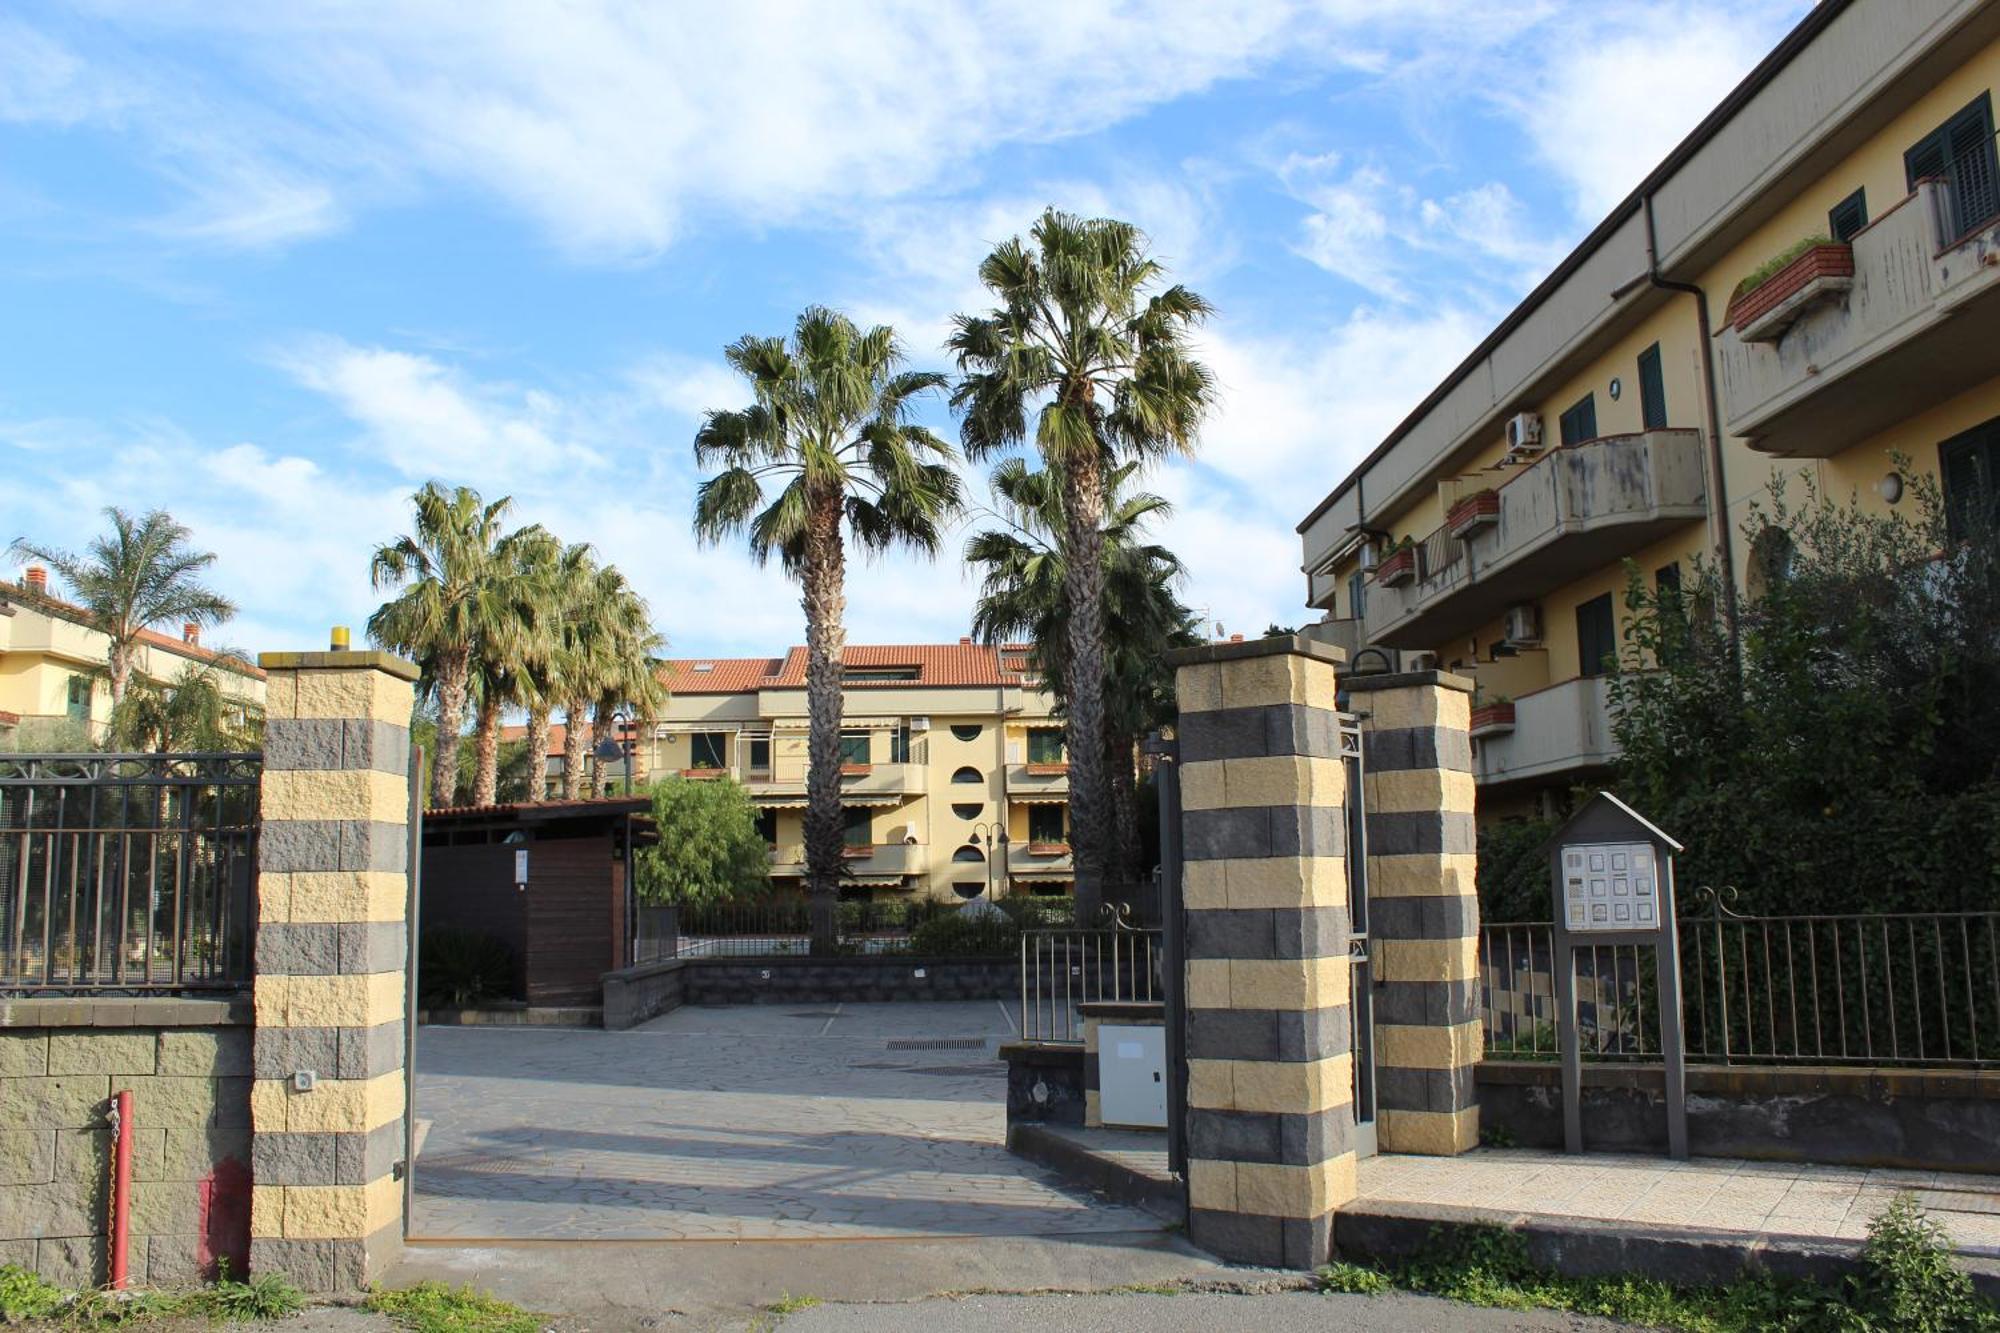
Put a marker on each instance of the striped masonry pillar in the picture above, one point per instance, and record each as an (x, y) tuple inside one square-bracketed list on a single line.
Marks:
[(326, 1106), (1270, 1073), (1423, 911)]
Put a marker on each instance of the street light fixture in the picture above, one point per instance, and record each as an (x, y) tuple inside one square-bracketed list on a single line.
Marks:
[(992, 836), (611, 747)]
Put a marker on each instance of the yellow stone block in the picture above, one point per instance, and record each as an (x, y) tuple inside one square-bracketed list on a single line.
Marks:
[(353, 1000), (1093, 1109), (1424, 1046), (1198, 689), (334, 1212), (1429, 1133), (1212, 1185), (335, 1106), (1423, 875), (335, 895), (1284, 780), (1419, 789), (383, 798), (1211, 1084), (1208, 983), (1204, 884), (1201, 785), (1089, 1036), (1285, 881), (1256, 682), (1417, 706), (267, 1211), (1273, 1190), (1294, 984), (281, 694), (1427, 960), (361, 694), (1280, 1086)]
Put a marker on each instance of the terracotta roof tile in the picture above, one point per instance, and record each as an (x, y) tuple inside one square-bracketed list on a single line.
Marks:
[(716, 675), (936, 665)]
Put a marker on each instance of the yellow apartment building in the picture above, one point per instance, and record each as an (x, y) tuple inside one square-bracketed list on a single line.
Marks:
[(1630, 410), (48, 651), (954, 777)]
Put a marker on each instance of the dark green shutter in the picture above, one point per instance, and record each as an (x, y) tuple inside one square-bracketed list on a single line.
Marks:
[(1580, 422), (1652, 390), (1848, 216), (1960, 151), (1596, 636), (1970, 464)]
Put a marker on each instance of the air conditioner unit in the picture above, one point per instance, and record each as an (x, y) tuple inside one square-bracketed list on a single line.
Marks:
[(1522, 626), (920, 724), (1367, 554), (1524, 433)]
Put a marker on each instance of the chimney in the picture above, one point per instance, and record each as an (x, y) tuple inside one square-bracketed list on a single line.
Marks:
[(965, 642), (1236, 638), (38, 580), (191, 633)]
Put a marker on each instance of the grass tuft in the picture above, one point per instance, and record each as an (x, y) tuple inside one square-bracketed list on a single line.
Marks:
[(24, 1297), (435, 1307), (789, 1304)]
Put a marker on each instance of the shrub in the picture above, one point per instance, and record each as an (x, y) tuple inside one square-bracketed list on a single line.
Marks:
[(458, 968), (25, 1295), (1908, 1281), (709, 850)]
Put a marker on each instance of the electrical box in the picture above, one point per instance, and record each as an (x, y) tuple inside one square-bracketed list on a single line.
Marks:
[(1132, 1076)]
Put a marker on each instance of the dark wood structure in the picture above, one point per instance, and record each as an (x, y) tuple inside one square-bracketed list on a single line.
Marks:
[(548, 880)]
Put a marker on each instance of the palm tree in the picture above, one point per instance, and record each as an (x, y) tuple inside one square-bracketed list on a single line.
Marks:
[(450, 605), (561, 572), (1022, 596), (142, 574), (1083, 338), (194, 712), (825, 454), (607, 659), (502, 657)]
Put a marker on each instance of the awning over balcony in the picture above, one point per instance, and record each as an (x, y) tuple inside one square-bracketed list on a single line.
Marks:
[(1038, 797)]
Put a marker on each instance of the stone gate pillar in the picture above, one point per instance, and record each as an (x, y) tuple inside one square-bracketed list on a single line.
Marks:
[(327, 1102), (1424, 915), (1270, 1073)]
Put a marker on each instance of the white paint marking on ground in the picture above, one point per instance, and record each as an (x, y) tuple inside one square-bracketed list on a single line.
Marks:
[(829, 1021)]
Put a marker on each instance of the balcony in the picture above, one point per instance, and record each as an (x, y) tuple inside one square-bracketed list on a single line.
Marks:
[(864, 860), (1025, 782), (1916, 325), (1040, 860), (1577, 509), (1561, 729), (856, 780)]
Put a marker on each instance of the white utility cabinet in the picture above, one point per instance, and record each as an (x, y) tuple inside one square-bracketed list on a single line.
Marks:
[(1132, 1076)]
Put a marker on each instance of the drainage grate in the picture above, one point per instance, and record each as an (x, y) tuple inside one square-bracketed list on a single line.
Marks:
[(938, 1044)]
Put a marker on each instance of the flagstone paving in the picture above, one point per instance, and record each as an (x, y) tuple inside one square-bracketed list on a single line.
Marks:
[(743, 1123)]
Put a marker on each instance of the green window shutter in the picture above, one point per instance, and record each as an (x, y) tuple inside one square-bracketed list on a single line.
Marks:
[(1596, 636), (1848, 216), (1961, 153), (1045, 746), (856, 830), (1580, 422), (1652, 390), (1045, 824), (854, 747), (1970, 468)]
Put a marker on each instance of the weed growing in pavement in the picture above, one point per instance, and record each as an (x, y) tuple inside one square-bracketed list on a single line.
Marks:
[(25, 1297), (789, 1304), (435, 1307)]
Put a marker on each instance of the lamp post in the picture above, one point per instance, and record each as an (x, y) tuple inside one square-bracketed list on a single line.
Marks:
[(611, 748), (993, 837)]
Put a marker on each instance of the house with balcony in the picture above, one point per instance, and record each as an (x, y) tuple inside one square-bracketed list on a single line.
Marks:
[(1809, 283)]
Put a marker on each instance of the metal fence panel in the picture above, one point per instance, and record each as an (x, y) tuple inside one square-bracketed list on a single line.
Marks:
[(1062, 969)]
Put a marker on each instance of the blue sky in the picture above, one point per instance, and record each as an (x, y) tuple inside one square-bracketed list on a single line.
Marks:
[(270, 267)]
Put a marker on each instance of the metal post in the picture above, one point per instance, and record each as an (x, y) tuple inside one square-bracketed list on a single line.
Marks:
[(1673, 1042), (412, 923), (1167, 779), (1564, 967)]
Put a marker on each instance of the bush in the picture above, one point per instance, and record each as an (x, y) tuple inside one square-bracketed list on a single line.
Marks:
[(973, 931), (460, 968), (1908, 1280), (1514, 870), (25, 1295), (709, 850)]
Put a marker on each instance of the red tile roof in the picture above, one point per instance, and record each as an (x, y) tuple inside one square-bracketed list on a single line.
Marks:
[(76, 615), (937, 665), (716, 675)]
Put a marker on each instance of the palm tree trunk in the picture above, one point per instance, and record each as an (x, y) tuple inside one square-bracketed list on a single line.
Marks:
[(825, 605), (576, 720), (1083, 591), (600, 732), (486, 752), (538, 753), (451, 681), (1125, 872)]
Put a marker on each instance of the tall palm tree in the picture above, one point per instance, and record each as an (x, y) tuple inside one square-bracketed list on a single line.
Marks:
[(450, 603), (826, 454), (1086, 341), (141, 574), (607, 659), (1022, 596), (504, 655), (561, 573)]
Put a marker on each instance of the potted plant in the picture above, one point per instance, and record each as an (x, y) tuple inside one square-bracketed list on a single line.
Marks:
[(1048, 849), (1493, 717), (1775, 293), (1399, 566), (1473, 512)]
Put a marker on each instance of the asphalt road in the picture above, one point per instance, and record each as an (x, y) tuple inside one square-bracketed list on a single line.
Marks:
[(1289, 1312)]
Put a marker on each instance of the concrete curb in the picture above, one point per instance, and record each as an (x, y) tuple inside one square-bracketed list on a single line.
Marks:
[(1388, 1233), (1105, 1175)]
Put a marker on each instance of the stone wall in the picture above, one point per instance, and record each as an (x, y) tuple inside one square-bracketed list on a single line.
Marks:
[(187, 1066), (1044, 1083), (865, 980), (634, 994)]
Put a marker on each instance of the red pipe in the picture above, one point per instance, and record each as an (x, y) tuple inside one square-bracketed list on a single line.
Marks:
[(121, 1190)]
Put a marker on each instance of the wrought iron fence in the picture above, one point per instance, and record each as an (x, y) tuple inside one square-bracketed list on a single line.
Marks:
[(1912, 989), (783, 927), (127, 872), (1063, 969)]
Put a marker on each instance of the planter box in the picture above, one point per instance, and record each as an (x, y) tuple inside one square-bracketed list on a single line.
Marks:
[(1048, 849), (1397, 568), (704, 774), (856, 770), (1048, 770), (857, 853), (1492, 720), (1763, 313), (1473, 513)]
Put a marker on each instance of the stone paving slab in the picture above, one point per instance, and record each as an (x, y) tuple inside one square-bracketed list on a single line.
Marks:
[(745, 1123)]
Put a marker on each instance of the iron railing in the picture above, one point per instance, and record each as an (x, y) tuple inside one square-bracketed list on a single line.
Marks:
[(784, 927), (127, 872), (1907, 989), (1063, 969)]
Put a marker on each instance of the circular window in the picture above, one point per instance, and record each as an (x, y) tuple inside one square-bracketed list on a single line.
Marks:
[(969, 856), (968, 889), (968, 809), (1770, 560), (966, 731), (968, 777)]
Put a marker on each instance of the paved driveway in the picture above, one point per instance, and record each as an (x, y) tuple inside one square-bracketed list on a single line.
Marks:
[(753, 1122)]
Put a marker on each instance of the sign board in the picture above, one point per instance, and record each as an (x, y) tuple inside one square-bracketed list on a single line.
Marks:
[(1611, 875), (520, 865)]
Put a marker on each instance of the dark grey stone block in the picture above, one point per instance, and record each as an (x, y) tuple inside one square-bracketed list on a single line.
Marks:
[(1252, 832), (1431, 832), (1249, 933), (1240, 1238), (334, 744), (1439, 917), (1247, 733), (289, 845), (1308, 1241), (1424, 1089), (1439, 1003)]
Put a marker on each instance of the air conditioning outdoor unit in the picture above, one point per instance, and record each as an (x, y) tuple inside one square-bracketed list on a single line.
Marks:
[(1524, 433), (920, 724), (1367, 555), (1523, 625)]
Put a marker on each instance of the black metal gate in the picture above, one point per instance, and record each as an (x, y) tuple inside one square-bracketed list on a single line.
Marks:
[(1360, 946)]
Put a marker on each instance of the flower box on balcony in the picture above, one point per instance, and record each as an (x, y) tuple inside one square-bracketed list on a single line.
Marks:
[(1764, 306), (1496, 719), (1048, 849), (1474, 512), (1397, 567), (1048, 770), (702, 773), (853, 853), (856, 770)]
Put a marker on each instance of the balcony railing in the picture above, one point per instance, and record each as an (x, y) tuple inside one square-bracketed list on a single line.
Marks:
[(1565, 728), (1915, 325), (1037, 779), (897, 858), (1579, 507), (855, 780)]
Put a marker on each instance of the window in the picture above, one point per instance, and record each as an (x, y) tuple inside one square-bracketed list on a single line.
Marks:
[(1652, 391), (858, 830), (968, 889), (1596, 636), (899, 745), (1770, 560), (878, 675), (1848, 216), (79, 699), (1357, 594), (966, 731), (1971, 467), (767, 826), (969, 856), (706, 749), (968, 809), (1960, 153), (853, 747), (1045, 824), (1580, 422), (760, 754), (1667, 578), (968, 777), (1045, 746)]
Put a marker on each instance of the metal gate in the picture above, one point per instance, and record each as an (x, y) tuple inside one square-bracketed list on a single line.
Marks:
[(1360, 942)]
